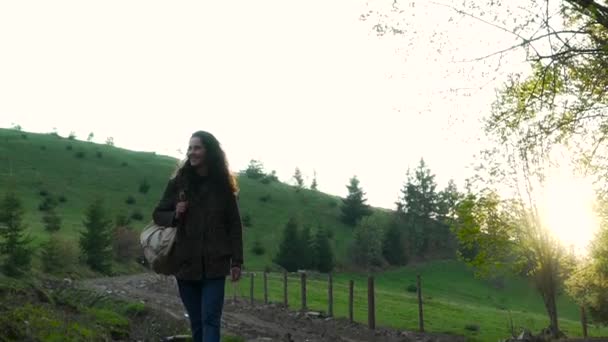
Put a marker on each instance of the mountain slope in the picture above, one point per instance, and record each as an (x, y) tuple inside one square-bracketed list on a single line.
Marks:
[(32, 163)]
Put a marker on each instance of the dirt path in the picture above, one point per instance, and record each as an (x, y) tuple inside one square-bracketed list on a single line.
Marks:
[(255, 323)]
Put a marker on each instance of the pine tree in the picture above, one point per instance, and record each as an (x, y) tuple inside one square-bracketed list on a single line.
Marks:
[(52, 221), (299, 179), (288, 254), (324, 254), (306, 251), (96, 239), (353, 206), (51, 255), (314, 184), (14, 244), (367, 244), (392, 245)]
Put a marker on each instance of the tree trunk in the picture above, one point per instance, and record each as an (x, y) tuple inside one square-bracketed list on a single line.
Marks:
[(550, 305)]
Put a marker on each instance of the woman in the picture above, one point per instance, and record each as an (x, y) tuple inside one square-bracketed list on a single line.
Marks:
[(201, 200)]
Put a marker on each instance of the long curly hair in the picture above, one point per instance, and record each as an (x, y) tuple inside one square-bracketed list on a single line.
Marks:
[(217, 165)]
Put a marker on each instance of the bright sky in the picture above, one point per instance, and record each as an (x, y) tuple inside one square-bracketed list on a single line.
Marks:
[(290, 83)]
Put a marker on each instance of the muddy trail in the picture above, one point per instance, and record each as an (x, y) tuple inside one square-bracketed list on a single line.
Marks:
[(257, 322)]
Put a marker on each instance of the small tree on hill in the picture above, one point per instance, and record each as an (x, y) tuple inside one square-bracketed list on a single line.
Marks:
[(52, 221), (366, 250), (306, 249), (96, 239), (353, 206), (299, 179), (392, 245), (255, 169), (90, 137), (52, 255), (288, 255), (314, 184), (144, 186), (14, 244), (323, 251)]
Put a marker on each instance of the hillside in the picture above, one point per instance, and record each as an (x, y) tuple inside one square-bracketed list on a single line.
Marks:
[(81, 171)]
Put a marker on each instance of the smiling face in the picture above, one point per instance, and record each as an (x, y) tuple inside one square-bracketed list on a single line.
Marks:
[(196, 153)]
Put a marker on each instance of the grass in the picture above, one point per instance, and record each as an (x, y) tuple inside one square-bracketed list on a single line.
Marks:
[(454, 301)]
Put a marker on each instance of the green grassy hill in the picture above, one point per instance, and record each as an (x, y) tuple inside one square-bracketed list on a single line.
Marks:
[(81, 171)]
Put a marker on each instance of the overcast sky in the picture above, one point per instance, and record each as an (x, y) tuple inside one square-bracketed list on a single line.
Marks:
[(304, 84)]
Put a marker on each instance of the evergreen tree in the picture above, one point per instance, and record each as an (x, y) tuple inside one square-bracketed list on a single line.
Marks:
[(354, 207), (52, 221), (419, 206), (51, 255), (366, 250), (323, 251), (14, 244), (306, 249), (299, 179), (96, 239), (288, 254), (393, 248), (314, 184)]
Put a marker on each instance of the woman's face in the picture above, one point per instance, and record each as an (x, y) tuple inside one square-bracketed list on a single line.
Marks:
[(196, 152)]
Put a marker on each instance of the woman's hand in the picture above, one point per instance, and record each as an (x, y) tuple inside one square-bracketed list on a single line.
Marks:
[(180, 208), (235, 273)]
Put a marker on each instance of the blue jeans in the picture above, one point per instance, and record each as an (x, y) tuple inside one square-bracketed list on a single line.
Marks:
[(204, 301)]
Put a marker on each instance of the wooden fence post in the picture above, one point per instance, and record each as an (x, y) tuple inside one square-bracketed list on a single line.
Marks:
[(584, 321), (303, 278), (251, 288), (371, 306), (351, 297), (285, 297), (420, 314), (330, 295), (265, 287)]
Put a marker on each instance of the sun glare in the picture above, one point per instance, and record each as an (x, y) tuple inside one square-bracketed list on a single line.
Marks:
[(567, 210)]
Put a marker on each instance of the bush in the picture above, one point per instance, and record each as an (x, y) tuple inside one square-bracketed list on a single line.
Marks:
[(137, 216), (79, 154), (47, 203), (52, 221), (333, 204), (43, 148), (265, 198), (412, 288), (43, 193), (257, 248), (68, 147), (99, 154), (472, 327), (57, 254), (24, 136), (124, 164), (125, 244), (130, 200), (247, 220), (144, 186), (62, 199)]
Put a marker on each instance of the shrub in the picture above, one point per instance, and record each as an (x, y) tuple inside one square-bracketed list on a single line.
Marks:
[(43, 148), (62, 199), (130, 200), (43, 193), (472, 327), (79, 154), (124, 164), (412, 288), (99, 154), (68, 147), (257, 248), (57, 254), (47, 203), (137, 216), (265, 198), (144, 186), (246, 220), (125, 244), (24, 136)]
